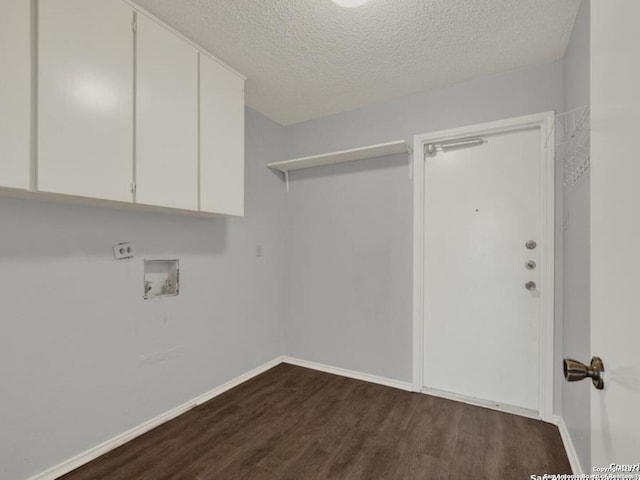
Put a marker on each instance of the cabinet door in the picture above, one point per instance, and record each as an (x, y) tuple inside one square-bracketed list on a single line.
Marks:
[(221, 139), (15, 93), (167, 118), (85, 128)]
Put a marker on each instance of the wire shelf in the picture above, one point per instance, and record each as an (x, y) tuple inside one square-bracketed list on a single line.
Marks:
[(572, 135)]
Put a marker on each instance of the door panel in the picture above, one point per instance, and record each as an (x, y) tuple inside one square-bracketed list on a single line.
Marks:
[(221, 139), (615, 196), (167, 118), (85, 128), (15, 93), (482, 204)]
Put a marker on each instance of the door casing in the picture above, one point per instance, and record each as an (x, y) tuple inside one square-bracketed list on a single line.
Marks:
[(543, 121)]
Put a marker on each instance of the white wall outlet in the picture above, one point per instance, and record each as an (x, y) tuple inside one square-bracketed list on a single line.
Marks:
[(124, 250)]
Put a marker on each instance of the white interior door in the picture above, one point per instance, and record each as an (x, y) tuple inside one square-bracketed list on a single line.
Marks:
[(615, 231), (481, 325)]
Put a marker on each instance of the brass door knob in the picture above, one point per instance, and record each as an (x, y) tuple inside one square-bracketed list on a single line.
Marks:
[(530, 286), (575, 371)]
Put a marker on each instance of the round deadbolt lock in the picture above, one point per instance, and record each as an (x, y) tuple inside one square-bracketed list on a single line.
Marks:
[(530, 286), (531, 244), (530, 265)]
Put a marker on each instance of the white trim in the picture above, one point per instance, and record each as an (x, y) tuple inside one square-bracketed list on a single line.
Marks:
[(66, 199), (547, 267), (574, 461), (93, 453), (366, 377), (480, 402), (418, 262), (544, 121)]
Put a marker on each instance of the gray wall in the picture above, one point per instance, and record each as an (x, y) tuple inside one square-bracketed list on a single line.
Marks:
[(576, 336), (84, 358), (349, 237)]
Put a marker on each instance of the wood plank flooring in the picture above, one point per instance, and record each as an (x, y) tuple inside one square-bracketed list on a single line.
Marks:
[(292, 423)]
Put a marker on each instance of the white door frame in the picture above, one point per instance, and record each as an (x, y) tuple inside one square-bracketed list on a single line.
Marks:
[(543, 121)]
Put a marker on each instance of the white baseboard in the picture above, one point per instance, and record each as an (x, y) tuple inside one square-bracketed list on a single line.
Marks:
[(479, 402), (93, 453), (349, 373), (574, 461)]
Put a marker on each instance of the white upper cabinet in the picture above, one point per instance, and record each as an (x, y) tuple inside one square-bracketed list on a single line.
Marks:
[(85, 84), (15, 93), (127, 109), (221, 139), (166, 118)]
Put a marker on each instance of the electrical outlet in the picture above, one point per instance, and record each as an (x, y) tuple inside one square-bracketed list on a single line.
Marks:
[(124, 250)]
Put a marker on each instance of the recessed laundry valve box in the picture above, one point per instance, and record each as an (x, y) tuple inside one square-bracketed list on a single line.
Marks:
[(161, 278)]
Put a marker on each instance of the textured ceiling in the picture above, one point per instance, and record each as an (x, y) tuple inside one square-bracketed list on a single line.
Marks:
[(310, 58)]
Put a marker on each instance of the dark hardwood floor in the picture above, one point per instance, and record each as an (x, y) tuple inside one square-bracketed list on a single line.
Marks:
[(292, 423)]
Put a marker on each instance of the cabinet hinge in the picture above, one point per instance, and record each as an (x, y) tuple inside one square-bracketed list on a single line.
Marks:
[(133, 187)]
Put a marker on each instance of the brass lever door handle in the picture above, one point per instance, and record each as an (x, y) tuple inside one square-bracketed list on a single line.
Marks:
[(575, 371)]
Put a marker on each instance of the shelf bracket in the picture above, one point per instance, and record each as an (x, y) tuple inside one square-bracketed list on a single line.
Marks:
[(286, 179)]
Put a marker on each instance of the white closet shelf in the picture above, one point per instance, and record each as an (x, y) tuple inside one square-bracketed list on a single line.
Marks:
[(361, 153)]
